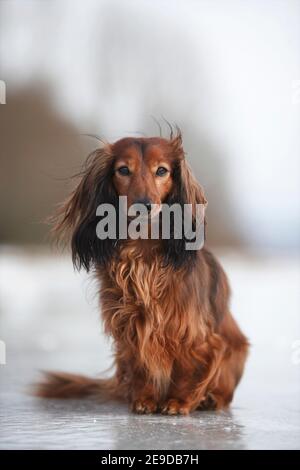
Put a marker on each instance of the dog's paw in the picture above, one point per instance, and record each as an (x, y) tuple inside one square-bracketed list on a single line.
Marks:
[(144, 406), (209, 403), (175, 407)]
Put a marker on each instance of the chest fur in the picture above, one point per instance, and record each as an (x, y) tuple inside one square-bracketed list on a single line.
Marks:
[(147, 313)]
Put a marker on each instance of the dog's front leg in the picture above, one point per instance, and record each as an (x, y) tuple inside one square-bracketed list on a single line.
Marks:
[(193, 379), (180, 397), (143, 399)]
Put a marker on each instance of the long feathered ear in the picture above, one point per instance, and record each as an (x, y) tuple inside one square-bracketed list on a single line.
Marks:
[(76, 217), (186, 190)]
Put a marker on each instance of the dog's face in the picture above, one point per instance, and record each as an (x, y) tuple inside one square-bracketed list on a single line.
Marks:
[(143, 170), (148, 171)]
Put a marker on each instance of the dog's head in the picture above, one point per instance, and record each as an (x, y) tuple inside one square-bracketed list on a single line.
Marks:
[(148, 171), (143, 170)]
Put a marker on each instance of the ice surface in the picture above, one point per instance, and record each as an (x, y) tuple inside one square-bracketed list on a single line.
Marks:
[(49, 319)]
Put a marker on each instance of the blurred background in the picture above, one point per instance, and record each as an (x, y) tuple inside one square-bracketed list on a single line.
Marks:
[(228, 73)]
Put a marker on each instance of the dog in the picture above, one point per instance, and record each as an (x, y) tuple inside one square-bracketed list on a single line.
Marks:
[(177, 347)]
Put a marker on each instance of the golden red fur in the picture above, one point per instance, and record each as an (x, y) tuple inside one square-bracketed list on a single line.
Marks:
[(177, 347)]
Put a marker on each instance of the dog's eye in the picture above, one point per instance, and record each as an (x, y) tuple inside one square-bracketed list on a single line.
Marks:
[(161, 171), (124, 170)]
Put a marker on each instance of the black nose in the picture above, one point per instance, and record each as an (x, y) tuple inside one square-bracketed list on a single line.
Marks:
[(146, 202)]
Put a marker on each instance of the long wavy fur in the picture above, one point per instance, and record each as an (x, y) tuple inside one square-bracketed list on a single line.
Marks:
[(177, 347)]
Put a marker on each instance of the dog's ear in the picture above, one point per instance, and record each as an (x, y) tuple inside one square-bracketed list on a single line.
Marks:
[(186, 190), (76, 218)]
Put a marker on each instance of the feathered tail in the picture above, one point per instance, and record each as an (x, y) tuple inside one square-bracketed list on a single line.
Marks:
[(64, 385)]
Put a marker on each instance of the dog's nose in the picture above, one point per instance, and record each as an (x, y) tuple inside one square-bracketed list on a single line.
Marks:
[(146, 202)]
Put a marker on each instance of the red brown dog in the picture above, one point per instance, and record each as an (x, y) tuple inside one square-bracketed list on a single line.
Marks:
[(177, 346)]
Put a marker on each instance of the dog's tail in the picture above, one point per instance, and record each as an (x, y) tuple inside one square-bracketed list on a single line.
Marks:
[(64, 385)]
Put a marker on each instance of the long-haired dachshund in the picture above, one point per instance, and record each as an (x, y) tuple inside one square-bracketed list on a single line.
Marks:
[(177, 347)]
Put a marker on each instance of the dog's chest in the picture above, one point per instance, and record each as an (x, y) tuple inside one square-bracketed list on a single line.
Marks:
[(141, 277)]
